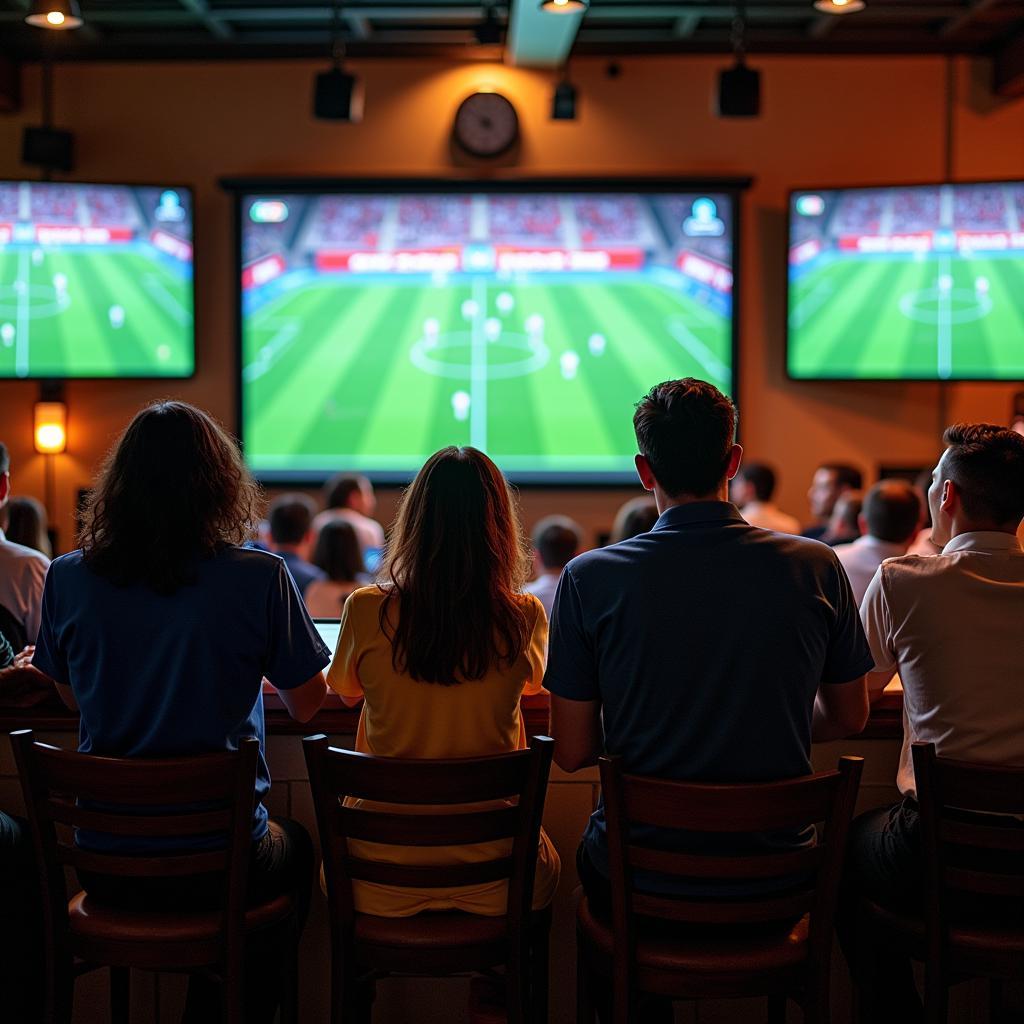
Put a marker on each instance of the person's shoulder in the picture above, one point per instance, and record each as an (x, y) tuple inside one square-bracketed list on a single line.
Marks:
[(909, 568), (72, 562), (532, 603), (19, 553), (365, 600)]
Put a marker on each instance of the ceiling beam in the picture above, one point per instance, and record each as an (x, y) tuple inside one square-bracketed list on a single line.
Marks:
[(1008, 68), (200, 9), (821, 27), (686, 25), (539, 39)]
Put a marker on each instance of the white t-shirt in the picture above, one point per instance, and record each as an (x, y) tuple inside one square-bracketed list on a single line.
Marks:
[(543, 588), (953, 626), (369, 531), (22, 574), (861, 560), (767, 516)]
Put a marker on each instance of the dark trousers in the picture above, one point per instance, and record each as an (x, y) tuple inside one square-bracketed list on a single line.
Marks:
[(281, 862), (21, 934), (883, 863)]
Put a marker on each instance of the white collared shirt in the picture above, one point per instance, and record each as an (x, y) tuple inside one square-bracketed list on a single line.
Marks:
[(22, 574), (767, 516), (952, 625), (861, 560)]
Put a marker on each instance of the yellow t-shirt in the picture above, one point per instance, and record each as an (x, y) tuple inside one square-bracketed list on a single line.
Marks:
[(405, 718)]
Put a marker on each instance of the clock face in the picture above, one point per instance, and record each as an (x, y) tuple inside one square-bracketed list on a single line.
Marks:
[(486, 124)]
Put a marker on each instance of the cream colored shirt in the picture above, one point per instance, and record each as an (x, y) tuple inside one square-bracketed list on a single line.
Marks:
[(767, 516), (22, 574), (952, 625)]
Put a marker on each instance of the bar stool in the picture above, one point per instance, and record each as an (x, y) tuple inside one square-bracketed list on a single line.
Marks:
[(365, 947), (777, 945), (63, 788)]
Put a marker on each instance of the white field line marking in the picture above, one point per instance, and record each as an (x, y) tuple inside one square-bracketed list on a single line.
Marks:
[(164, 298), (478, 369), (945, 332), (21, 366), (271, 352), (698, 350), (810, 304)]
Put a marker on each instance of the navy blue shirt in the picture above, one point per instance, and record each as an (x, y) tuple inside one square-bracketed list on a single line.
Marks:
[(705, 642), (161, 675), (303, 572)]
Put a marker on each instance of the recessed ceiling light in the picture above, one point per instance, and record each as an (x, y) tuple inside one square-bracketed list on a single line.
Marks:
[(839, 6), (563, 6)]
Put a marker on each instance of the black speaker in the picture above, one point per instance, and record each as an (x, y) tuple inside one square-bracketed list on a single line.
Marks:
[(563, 104), (49, 148), (333, 95), (739, 92)]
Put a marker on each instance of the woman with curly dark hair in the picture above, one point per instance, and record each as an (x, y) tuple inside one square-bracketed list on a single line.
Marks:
[(441, 653), (161, 628)]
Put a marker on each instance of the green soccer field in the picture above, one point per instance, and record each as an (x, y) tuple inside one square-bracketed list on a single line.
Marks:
[(59, 314), (942, 317), (377, 376)]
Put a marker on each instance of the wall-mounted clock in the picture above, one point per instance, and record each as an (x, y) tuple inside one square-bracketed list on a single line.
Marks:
[(486, 124)]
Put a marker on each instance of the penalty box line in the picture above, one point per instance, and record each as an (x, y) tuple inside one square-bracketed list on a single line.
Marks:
[(478, 368)]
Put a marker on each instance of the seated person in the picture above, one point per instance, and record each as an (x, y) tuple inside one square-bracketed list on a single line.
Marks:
[(441, 653), (291, 537), (350, 496), (831, 479), (556, 541), (338, 554), (950, 624), (752, 489), (889, 521), (844, 525), (160, 631), (636, 516), (26, 524)]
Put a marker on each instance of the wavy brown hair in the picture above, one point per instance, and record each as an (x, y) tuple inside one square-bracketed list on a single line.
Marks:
[(456, 562), (172, 491)]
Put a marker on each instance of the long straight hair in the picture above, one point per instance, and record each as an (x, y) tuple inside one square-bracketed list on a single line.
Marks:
[(456, 564)]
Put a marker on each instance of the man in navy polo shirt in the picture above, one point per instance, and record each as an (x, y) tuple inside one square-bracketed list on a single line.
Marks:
[(706, 650)]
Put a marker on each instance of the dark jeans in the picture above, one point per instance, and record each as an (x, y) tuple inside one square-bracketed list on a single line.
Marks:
[(281, 862), (21, 934)]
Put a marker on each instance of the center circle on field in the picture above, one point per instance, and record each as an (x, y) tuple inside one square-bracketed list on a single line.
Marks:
[(43, 300), (527, 356), (965, 305)]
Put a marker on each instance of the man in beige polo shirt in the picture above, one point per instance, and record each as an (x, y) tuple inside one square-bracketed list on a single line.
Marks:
[(952, 625)]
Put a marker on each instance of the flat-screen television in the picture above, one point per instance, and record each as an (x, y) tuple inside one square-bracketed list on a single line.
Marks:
[(907, 283), (381, 322), (95, 280)]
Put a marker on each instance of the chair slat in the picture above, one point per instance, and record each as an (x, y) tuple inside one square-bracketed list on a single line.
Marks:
[(984, 882), (441, 877), (779, 908), (428, 829), (192, 823), (771, 865), (999, 835), (700, 807), (995, 789), (163, 865)]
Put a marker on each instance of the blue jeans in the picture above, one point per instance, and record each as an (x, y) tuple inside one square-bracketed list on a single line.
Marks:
[(21, 937)]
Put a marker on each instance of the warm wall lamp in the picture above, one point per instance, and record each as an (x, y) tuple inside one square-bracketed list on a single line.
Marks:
[(55, 14), (51, 427)]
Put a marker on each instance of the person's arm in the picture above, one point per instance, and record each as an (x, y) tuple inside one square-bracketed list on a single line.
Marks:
[(343, 675), (47, 657), (877, 620), (840, 710), (576, 727), (303, 701), (877, 682)]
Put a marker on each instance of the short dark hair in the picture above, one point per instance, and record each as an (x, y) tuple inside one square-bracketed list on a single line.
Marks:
[(685, 429), (986, 463), (338, 553), (291, 516), (340, 488), (5, 459), (892, 509), (847, 476), (761, 477), (556, 539)]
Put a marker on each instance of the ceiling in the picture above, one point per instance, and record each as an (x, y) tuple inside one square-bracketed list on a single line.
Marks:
[(224, 29)]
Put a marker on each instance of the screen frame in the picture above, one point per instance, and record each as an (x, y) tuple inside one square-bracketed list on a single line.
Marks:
[(240, 188), (847, 379), (177, 186)]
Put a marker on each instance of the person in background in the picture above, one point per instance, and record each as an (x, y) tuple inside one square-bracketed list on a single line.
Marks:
[(22, 574), (556, 541), (950, 624), (26, 524), (706, 649), (831, 479), (350, 496), (923, 544), (160, 630), (844, 525), (889, 522), (752, 490), (338, 554), (636, 516), (291, 536), (441, 651)]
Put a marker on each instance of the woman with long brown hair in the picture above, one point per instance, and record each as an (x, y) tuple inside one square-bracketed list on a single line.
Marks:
[(441, 653)]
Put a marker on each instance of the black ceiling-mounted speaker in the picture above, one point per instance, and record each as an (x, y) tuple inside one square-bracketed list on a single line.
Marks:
[(334, 96), (739, 92), (52, 149)]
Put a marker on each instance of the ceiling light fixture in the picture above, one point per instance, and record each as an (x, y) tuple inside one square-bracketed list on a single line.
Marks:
[(563, 6), (839, 6), (58, 15)]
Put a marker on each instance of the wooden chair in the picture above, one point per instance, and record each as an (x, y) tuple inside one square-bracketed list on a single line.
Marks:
[(365, 947), (777, 945), (967, 857), (61, 789)]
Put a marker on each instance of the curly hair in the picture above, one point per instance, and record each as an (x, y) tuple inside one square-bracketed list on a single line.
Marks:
[(172, 491)]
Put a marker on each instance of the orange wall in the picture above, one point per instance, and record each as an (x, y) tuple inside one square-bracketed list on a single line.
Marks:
[(827, 120)]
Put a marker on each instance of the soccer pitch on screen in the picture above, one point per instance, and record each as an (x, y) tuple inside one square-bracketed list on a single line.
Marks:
[(95, 281), (907, 283), (378, 329)]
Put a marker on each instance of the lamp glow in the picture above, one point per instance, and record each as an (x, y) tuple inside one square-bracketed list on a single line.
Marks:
[(839, 6), (55, 18), (55, 14), (51, 420), (563, 6)]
